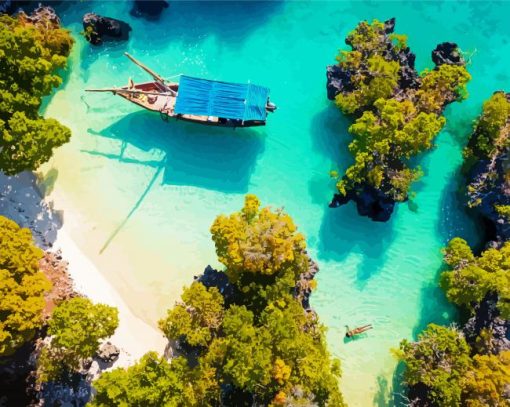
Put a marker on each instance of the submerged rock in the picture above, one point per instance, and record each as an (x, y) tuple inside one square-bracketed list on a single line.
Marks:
[(98, 29), (148, 9)]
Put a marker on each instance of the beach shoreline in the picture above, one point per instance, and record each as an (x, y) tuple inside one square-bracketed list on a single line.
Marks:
[(133, 336), (22, 200)]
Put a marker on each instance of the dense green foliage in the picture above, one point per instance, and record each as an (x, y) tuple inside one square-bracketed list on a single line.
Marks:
[(152, 382), (441, 360), (490, 141), (259, 344), (30, 56), (471, 278), (197, 318), (76, 328), (22, 287), (488, 136), (392, 124)]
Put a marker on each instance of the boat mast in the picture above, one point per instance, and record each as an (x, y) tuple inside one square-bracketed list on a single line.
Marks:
[(156, 76)]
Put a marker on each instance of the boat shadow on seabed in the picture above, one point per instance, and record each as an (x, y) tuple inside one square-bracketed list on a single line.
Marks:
[(220, 159)]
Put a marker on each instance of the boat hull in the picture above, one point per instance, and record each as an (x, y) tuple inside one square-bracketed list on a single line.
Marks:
[(150, 98)]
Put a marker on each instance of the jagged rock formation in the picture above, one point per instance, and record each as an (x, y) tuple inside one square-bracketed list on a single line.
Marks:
[(98, 29), (42, 15), (487, 317)]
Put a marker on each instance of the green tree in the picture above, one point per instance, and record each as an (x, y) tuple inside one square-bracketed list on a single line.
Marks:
[(154, 382), (471, 278), (22, 287), (30, 56), (439, 360), (487, 381), (197, 317), (76, 328)]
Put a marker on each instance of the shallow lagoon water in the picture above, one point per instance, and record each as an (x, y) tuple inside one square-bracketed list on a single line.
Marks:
[(140, 194)]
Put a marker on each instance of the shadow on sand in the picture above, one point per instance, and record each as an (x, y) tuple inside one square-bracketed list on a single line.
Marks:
[(21, 200)]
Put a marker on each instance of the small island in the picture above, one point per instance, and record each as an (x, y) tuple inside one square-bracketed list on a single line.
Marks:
[(397, 112)]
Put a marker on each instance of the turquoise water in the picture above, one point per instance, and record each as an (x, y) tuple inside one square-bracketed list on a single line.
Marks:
[(143, 193)]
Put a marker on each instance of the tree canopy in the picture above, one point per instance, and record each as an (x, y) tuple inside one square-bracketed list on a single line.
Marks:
[(22, 287), (76, 328), (470, 278), (441, 360), (31, 54), (258, 346)]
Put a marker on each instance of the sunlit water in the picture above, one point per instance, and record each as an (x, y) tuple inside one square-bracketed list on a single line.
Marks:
[(141, 194)]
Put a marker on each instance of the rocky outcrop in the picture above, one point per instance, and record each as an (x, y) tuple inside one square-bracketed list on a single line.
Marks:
[(447, 53), (487, 317), (305, 285), (108, 353), (98, 29), (369, 201), (150, 10), (55, 268), (42, 15), (218, 279)]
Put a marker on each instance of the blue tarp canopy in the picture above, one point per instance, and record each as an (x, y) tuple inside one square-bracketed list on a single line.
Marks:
[(203, 97)]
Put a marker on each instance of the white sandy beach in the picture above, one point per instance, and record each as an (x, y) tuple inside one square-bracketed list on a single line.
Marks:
[(20, 200), (133, 336)]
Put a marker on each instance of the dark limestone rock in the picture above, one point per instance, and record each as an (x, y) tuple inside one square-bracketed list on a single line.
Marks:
[(369, 202), (108, 352), (338, 80), (99, 29), (492, 192), (447, 53), (487, 317), (218, 279), (304, 287), (389, 25), (150, 9)]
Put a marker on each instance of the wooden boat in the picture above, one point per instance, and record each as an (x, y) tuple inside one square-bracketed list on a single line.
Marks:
[(213, 103)]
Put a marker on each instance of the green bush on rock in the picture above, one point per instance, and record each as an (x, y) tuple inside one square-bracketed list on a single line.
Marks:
[(76, 328), (397, 114), (471, 278)]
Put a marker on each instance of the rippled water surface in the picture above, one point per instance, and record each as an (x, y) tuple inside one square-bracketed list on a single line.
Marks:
[(141, 194)]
